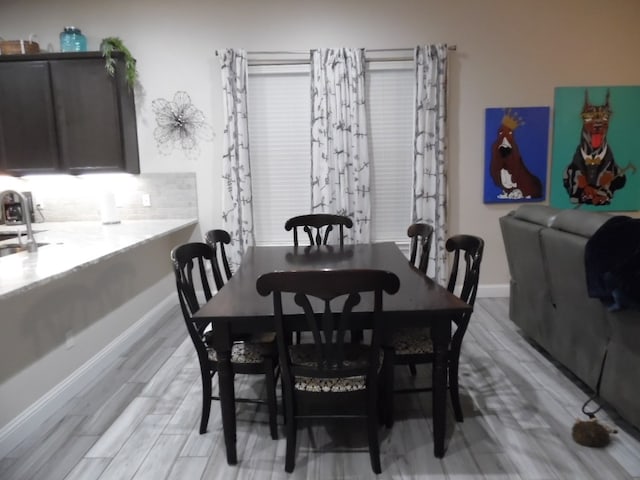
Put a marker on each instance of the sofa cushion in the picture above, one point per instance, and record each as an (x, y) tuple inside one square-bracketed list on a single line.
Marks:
[(580, 331), (580, 222), (540, 214), (530, 303)]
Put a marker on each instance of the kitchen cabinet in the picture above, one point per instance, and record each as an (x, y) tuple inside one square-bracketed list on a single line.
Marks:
[(63, 113), (27, 120)]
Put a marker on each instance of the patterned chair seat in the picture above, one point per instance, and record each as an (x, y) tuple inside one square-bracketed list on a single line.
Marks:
[(412, 341), (249, 351), (356, 356), (325, 385)]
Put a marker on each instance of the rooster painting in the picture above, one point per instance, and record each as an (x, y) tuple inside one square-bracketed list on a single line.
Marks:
[(512, 178)]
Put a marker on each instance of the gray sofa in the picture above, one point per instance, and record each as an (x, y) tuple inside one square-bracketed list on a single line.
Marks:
[(549, 302)]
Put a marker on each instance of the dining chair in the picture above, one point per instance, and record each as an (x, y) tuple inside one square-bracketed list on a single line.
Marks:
[(413, 346), (249, 355), (318, 226), (217, 239), (328, 377), (421, 235)]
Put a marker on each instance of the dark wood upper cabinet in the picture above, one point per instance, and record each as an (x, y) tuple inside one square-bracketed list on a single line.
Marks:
[(28, 138), (64, 113)]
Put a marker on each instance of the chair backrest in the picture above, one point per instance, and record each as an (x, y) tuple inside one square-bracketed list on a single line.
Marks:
[(318, 227), (190, 262), (338, 292), (421, 235), (217, 239), (470, 249)]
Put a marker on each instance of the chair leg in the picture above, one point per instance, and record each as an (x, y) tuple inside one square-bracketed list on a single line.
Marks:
[(386, 388), (284, 400), (357, 336), (271, 397), (291, 429), (454, 390), (372, 433), (412, 369), (207, 378)]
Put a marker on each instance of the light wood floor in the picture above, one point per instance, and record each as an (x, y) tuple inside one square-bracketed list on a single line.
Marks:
[(140, 421)]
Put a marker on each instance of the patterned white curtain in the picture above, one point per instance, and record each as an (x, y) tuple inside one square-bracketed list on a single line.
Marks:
[(429, 158), (339, 153), (237, 205)]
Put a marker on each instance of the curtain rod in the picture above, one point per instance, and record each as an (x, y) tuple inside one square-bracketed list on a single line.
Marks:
[(304, 52), (305, 61)]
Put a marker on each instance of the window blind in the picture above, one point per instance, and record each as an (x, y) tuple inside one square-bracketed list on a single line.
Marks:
[(390, 110), (280, 148), (279, 116)]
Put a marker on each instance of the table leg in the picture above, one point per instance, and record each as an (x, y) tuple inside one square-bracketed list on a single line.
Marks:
[(441, 334)]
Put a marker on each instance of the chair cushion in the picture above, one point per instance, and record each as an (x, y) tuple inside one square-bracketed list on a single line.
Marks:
[(412, 341), (334, 385), (249, 352), (357, 355)]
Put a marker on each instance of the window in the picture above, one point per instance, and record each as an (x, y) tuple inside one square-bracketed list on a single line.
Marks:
[(279, 115), (390, 110), (279, 108)]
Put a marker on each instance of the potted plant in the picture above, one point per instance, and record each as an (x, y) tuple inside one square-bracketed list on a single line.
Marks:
[(112, 44)]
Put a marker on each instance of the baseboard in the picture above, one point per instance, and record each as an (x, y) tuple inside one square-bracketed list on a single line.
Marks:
[(492, 291), (30, 419)]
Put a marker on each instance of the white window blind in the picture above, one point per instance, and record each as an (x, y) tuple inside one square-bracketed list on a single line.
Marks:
[(279, 116), (390, 110), (280, 148)]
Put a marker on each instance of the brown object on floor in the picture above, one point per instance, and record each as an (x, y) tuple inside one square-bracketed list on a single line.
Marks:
[(591, 433)]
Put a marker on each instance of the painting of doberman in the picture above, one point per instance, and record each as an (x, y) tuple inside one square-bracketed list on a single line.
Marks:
[(593, 176)]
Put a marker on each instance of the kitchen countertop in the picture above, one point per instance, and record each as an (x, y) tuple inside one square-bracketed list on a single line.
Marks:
[(72, 246)]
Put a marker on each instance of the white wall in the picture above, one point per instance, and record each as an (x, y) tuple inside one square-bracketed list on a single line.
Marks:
[(509, 53)]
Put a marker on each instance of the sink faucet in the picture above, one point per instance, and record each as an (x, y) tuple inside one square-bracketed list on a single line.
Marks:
[(32, 246)]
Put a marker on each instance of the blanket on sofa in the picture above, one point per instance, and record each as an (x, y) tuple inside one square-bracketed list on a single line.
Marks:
[(612, 263)]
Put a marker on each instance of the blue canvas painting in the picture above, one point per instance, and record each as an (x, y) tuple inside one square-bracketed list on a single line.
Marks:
[(516, 151)]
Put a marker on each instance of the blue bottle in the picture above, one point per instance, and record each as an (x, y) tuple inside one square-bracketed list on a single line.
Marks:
[(72, 40)]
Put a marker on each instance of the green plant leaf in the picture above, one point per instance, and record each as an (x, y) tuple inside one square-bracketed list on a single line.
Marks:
[(115, 44)]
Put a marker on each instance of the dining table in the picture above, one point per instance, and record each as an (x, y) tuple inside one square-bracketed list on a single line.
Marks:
[(238, 309)]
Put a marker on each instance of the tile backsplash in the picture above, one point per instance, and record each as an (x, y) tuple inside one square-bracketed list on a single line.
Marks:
[(65, 198)]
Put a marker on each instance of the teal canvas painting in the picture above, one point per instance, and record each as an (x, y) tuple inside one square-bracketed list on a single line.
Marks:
[(596, 148)]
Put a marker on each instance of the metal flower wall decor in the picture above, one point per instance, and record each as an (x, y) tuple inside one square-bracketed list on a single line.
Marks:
[(180, 125)]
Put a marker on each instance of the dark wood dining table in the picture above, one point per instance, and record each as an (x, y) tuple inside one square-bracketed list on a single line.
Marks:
[(238, 309)]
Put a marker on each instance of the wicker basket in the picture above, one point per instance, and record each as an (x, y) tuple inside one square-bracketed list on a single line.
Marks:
[(13, 47)]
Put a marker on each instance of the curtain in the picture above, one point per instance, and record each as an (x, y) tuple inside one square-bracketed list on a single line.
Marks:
[(237, 203), (339, 151), (429, 158)]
